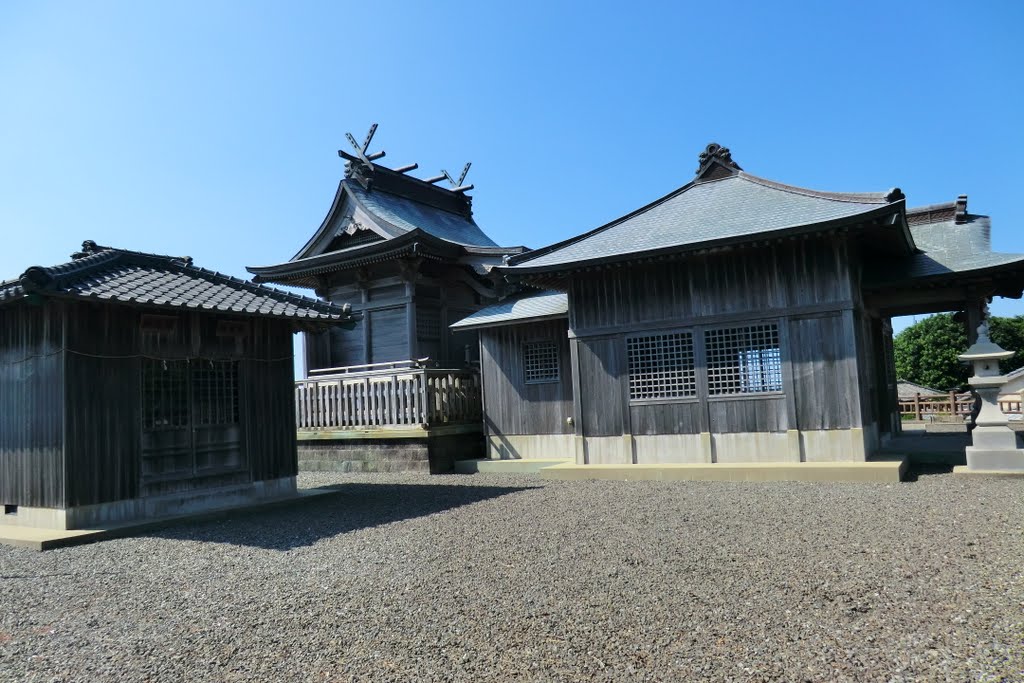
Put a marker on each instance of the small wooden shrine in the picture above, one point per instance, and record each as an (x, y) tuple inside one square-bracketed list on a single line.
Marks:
[(135, 385), (407, 254)]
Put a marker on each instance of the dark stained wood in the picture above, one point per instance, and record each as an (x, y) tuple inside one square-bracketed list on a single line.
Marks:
[(775, 278), (601, 365), (72, 431), (32, 400), (666, 418), (823, 352), (514, 407)]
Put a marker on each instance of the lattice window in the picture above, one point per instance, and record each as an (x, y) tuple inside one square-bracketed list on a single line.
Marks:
[(661, 366), (164, 393), (428, 323), (540, 362), (215, 392), (744, 360)]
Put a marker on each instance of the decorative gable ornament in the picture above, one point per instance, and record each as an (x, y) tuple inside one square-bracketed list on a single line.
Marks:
[(716, 162)]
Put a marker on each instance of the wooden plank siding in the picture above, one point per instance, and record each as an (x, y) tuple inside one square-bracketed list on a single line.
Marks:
[(804, 285), (106, 349), (104, 420), (517, 408), (736, 282), (267, 402), (32, 397)]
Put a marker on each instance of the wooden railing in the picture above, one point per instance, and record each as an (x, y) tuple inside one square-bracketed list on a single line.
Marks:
[(952, 406), (400, 394)]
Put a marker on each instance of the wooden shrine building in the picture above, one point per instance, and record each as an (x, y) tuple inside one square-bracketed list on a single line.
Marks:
[(404, 251), (135, 385), (407, 254), (735, 320)]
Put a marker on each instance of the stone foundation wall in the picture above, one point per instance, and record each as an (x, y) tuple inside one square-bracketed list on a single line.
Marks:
[(434, 454)]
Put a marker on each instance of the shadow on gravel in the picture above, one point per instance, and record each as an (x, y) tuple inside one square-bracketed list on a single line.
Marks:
[(924, 469), (353, 507)]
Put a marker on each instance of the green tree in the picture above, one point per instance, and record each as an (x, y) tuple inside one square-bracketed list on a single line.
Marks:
[(926, 352)]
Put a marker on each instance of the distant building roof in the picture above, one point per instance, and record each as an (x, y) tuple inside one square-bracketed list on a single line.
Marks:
[(906, 390), (535, 306), (722, 204), (152, 280)]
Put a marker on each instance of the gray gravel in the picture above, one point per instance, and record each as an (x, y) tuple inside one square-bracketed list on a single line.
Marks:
[(486, 577)]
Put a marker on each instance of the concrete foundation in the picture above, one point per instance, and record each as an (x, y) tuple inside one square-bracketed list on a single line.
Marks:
[(530, 446), (793, 446), (882, 471), (169, 505)]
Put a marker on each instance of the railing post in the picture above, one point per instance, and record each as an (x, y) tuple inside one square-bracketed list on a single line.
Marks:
[(917, 407)]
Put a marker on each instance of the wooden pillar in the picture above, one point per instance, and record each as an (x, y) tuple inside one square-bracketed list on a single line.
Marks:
[(975, 310)]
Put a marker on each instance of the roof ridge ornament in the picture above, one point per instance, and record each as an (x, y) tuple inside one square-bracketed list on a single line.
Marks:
[(894, 195), (359, 166), (716, 158)]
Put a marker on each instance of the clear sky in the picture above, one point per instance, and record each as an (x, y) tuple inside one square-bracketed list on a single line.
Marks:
[(211, 128)]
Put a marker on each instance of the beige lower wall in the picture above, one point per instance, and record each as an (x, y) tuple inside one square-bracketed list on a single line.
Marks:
[(531, 446), (673, 448), (839, 445), (834, 445), (608, 450), (754, 447)]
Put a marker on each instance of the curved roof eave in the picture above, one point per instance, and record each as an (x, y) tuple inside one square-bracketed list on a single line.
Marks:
[(881, 210)]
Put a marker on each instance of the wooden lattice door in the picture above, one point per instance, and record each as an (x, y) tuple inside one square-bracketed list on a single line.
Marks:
[(191, 429)]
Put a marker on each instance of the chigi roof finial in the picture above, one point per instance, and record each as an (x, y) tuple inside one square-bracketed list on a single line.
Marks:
[(360, 165)]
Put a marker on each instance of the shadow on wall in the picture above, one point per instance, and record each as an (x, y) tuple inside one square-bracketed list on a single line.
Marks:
[(353, 507)]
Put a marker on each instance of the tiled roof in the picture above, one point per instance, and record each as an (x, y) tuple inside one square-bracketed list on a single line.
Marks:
[(946, 248), (546, 304), (130, 277), (407, 214), (736, 206), (907, 389)]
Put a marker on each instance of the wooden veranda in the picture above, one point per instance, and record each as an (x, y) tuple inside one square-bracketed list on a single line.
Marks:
[(387, 396)]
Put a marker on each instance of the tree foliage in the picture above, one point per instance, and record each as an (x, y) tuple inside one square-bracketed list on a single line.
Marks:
[(926, 352)]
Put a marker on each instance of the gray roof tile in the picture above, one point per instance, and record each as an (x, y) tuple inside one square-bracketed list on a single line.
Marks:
[(946, 248), (546, 304), (139, 278), (407, 214), (737, 206)]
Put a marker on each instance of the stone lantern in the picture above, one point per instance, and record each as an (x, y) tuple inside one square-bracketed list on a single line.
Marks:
[(994, 445)]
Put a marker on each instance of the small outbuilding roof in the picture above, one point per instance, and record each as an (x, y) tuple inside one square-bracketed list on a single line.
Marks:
[(906, 389), (153, 280), (543, 305)]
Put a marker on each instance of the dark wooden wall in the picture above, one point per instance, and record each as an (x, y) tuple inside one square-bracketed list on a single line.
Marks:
[(268, 401), (736, 282), (806, 286), (103, 402), (514, 407), (31, 405), (394, 307), (104, 420)]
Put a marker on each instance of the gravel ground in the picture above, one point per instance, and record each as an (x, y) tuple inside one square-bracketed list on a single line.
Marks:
[(486, 577)]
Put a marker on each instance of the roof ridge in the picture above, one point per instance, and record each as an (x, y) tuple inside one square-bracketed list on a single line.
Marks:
[(374, 189), (850, 197), (537, 253)]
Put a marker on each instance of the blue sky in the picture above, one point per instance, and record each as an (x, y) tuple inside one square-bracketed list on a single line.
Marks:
[(211, 129)]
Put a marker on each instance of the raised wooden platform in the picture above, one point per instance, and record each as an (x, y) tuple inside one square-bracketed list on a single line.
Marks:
[(873, 471)]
